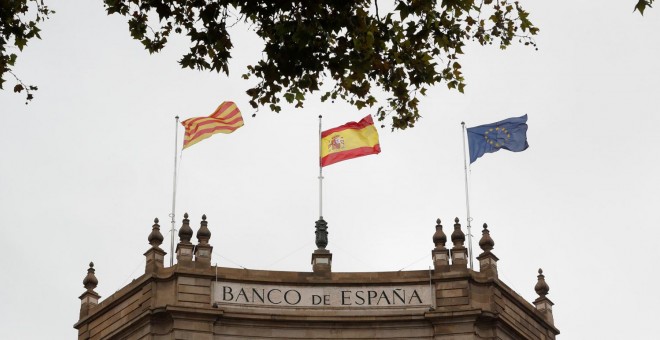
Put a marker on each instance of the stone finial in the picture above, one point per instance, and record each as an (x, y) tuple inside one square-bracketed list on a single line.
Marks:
[(89, 298), (90, 281), (203, 234), (542, 303), (439, 237), (457, 237), (440, 253), (203, 249), (486, 243), (541, 286), (155, 237), (487, 260), (459, 254), (154, 256), (185, 232), (321, 233), (184, 249)]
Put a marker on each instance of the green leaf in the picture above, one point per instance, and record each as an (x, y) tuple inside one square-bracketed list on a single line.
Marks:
[(20, 43), (404, 10), (641, 6)]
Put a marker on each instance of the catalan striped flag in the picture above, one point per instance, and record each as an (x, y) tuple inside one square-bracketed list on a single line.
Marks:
[(351, 140), (225, 119)]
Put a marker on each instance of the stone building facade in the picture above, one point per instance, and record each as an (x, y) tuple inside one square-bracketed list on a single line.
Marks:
[(193, 300)]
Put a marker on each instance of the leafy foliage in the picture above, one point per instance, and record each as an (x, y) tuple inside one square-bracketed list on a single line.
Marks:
[(348, 44), (18, 24), (642, 4)]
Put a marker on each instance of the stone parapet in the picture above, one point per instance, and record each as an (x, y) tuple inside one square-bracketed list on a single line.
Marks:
[(193, 302)]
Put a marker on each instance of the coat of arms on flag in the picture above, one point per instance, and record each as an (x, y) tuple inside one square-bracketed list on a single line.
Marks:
[(336, 143)]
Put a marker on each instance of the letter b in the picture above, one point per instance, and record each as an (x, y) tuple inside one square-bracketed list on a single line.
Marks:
[(226, 291)]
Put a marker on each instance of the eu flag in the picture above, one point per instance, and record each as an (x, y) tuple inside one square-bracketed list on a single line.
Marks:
[(509, 134)]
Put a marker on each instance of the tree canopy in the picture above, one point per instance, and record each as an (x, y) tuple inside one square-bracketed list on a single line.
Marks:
[(344, 49), (19, 21), (348, 50)]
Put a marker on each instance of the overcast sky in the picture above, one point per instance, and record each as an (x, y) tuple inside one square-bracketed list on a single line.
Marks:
[(88, 164)]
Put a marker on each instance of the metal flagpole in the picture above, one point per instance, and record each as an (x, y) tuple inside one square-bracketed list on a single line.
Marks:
[(467, 199), (320, 174), (176, 144)]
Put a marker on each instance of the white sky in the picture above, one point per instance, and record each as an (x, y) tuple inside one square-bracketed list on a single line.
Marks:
[(88, 165)]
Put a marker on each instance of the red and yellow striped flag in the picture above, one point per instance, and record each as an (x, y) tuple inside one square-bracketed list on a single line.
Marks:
[(351, 140), (226, 119)]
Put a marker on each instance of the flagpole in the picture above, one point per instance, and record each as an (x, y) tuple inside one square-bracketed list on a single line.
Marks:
[(320, 174), (467, 199), (176, 144)]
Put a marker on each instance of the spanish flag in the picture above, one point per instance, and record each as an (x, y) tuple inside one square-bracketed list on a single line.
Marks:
[(226, 119), (351, 140)]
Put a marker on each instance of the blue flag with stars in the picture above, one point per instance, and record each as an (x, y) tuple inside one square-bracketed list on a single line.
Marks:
[(509, 134)]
